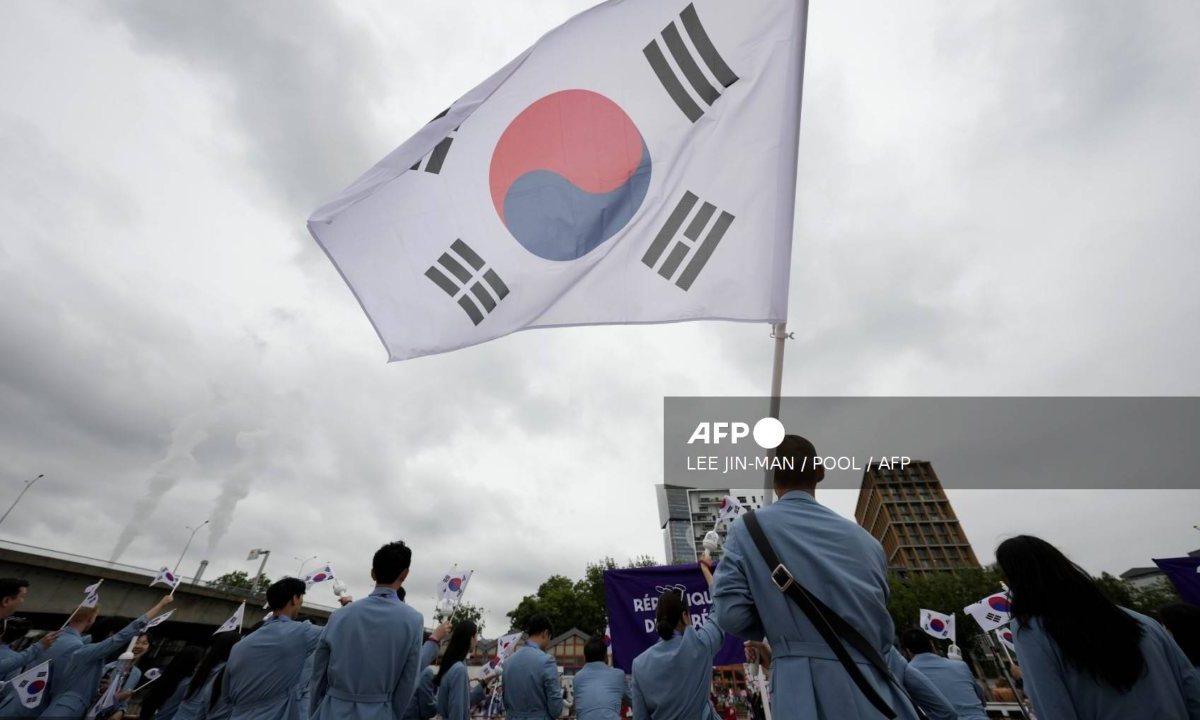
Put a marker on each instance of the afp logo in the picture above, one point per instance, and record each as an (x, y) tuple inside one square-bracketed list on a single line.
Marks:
[(768, 433)]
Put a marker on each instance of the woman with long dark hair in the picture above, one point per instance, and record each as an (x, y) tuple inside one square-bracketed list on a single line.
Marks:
[(452, 681), (166, 693), (199, 688), (1082, 656), (673, 677)]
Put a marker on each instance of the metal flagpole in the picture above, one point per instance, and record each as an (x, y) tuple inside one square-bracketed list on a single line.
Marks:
[(780, 335), (991, 641)]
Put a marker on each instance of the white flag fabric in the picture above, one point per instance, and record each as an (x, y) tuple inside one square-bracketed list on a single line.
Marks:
[(452, 587), (636, 165), (115, 680), (152, 674), (91, 600), (235, 621), (492, 668), (731, 508), (991, 612), (1005, 635), (938, 625), (31, 684), (324, 574), (507, 644), (166, 578), (159, 620)]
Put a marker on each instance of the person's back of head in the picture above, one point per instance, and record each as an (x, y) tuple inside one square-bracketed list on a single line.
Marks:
[(390, 564), (83, 618), (1045, 585), (797, 468), (595, 650), (15, 628), (669, 613), (217, 653), (459, 647), (539, 629), (1183, 622), (916, 642), (286, 594), (179, 669)]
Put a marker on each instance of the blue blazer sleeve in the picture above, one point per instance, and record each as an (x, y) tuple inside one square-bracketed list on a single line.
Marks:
[(406, 684), (1042, 672), (318, 684), (732, 601), (104, 648), (552, 688), (639, 703), (18, 660), (923, 692), (428, 654)]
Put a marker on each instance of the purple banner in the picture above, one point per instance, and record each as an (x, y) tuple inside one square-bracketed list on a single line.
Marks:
[(1185, 573), (631, 597)]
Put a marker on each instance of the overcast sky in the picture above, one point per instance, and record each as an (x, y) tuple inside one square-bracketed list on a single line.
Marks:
[(995, 198)]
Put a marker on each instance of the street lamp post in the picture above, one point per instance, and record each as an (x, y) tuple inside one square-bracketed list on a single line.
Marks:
[(28, 484), (191, 537), (254, 555), (303, 562)]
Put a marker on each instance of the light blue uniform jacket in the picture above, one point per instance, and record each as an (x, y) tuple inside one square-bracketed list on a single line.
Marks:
[(1168, 690), (453, 694), (11, 661), (196, 707), (264, 670), (531, 687), (366, 664), (672, 679), (131, 680), (842, 565), (424, 701), (954, 681), (599, 692), (59, 655), (75, 689)]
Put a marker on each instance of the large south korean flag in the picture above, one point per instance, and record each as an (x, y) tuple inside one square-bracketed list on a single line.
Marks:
[(636, 165)]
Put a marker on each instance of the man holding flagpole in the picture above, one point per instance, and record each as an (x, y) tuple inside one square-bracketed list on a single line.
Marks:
[(367, 660), (12, 594), (74, 689), (951, 677)]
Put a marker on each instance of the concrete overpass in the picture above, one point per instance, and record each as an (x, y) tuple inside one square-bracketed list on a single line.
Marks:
[(57, 579)]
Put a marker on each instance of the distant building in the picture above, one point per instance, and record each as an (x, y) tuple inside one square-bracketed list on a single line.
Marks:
[(1144, 577), (907, 511), (687, 514)]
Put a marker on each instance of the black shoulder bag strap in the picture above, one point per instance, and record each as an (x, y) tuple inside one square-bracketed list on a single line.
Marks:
[(829, 624)]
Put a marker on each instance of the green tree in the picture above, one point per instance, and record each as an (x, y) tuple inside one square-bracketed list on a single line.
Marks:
[(240, 580), (942, 592), (573, 604), (465, 611)]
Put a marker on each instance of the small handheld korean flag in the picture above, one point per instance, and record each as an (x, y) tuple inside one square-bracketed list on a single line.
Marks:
[(234, 623), (938, 625), (159, 620), (636, 165), (506, 644), (731, 508), (452, 587), (91, 595), (991, 612), (324, 574), (492, 668), (1005, 635), (31, 684), (166, 578)]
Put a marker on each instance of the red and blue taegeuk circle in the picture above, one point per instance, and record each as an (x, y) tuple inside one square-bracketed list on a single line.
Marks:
[(320, 577), (998, 603), (937, 625), (568, 173), (455, 584), (35, 687)]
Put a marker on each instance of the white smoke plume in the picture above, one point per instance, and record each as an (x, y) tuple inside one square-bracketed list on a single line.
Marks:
[(235, 488)]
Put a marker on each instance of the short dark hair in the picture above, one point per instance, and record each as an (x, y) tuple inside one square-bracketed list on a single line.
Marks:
[(916, 641), (282, 591), (11, 587), (390, 561), (537, 625), (595, 650), (15, 628), (797, 462)]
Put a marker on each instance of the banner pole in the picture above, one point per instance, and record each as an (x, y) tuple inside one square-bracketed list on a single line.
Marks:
[(780, 335), (991, 643)]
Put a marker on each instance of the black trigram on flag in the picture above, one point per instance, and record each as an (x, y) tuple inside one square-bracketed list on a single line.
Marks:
[(685, 64), (689, 246), (435, 159), (468, 281), (994, 617)]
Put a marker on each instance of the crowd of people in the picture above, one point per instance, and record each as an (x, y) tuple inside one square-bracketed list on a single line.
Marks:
[(805, 588)]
